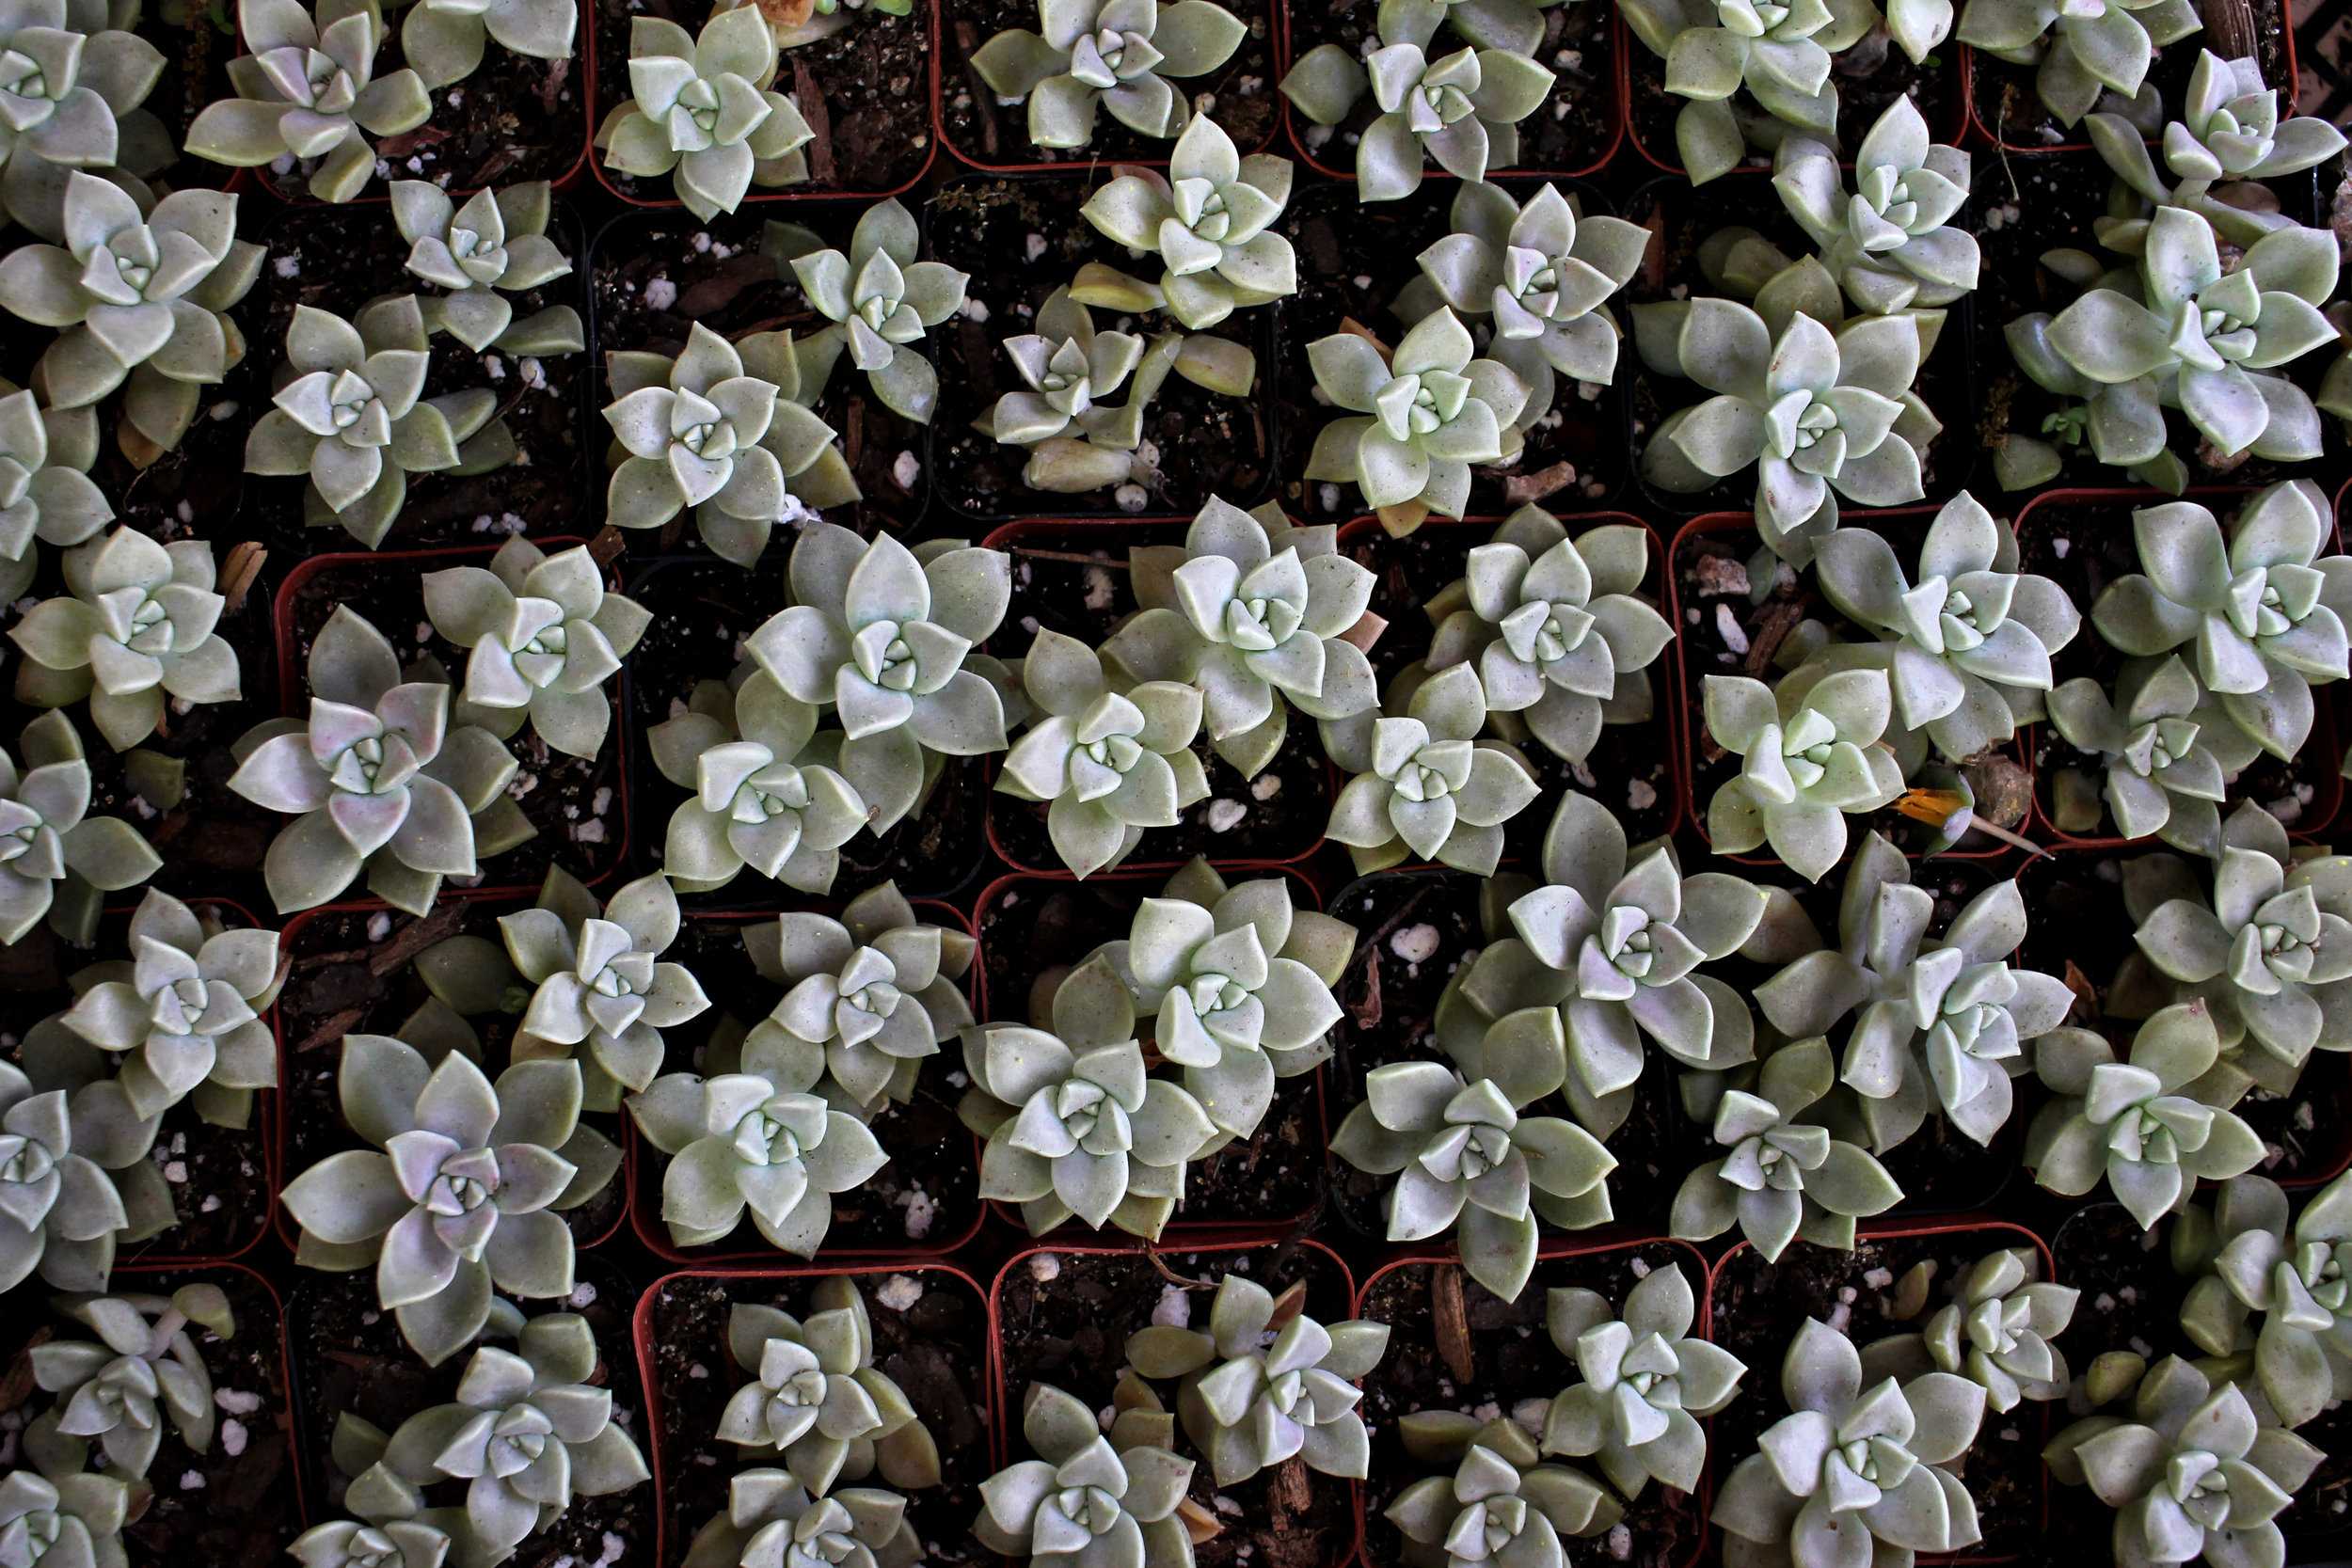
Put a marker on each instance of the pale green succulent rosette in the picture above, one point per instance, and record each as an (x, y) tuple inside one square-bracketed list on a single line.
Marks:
[(307, 90), (1806, 763), (61, 1210), (2269, 1300), (1420, 416), (1890, 241), (46, 493), (1646, 1381), (1208, 223), (78, 1517), (2078, 51), (444, 39), (817, 1398), (1425, 786), (882, 302), (703, 111), (55, 858), (1067, 369), (1107, 1501), (544, 636), (770, 1517), (495, 244), (1117, 54), (1996, 1331), (1501, 1503), (2166, 749), (143, 1374), (75, 84)]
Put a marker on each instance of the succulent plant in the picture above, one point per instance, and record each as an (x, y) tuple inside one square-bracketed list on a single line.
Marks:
[(2193, 1472), (1805, 762), (544, 637), (1420, 414), (599, 981), (463, 1189), (307, 91), (389, 1523), (73, 104), (61, 1211), (1818, 413), (1067, 369), (869, 995), (144, 1372), (1645, 1380), (134, 624), (1996, 1332), (760, 797), (55, 858), (2164, 764), (2228, 129), (817, 1398), (2080, 50), (1889, 241), (495, 244), (1254, 612), (1209, 222), (2134, 1120), (182, 1015), (45, 456), (1257, 1392), (1121, 54), (1779, 1177), (377, 778), (1461, 109), (771, 1519), (140, 299), (702, 109), (527, 1433), (880, 301), (1424, 786), (1501, 1503), (1853, 1471), (2266, 610), (444, 38), (2299, 1350), (74, 1518)]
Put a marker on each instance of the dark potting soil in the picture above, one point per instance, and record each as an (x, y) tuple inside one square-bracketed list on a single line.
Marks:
[(1239, 95), (1574, 130), (354, 973), (1415, 929), (930, 1336), (234, 1502), (703, 607), (1074, 581), (928, 1196), (653, 274), (1353, 261), (1033, 927), (1064, 1318), (1513, 1371), (348, 1354), (2011, 112), (196, 41), (1020, 239), (1758, 1309), (865, 91), (1868, 76)]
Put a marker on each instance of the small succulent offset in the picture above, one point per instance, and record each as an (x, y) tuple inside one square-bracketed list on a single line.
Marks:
[(1502, 1503), (1209, 222), (817, 1398), (545, 636), (495, 244), (142, 1373), (73, 104), (2274, 1300), (882, 301), (2193, 1472), (377, 779), (883, 636), (1067, 370), (2265, 608), (444, 38), (1782, 1179), (1855, 1471), (1108, 1501), (757, 796), (1419, 417), (1461, 110), (1254, 612), (1257, 1392), (307, 90), (2163, 762), (55, 858), (182, 1016), (2081, 50), (1646, 1379), (2228, 131), (599, 981), (135, 626), (1818, 413), (72, 1517), (1425, 786), (2134, 1121), (1890, 242), (61, 1211), (772, 1518), (1119, 54), (1996, 1331), (1106, 763), (46, 493), (1805, 762), (527, 1434), (703, 110)]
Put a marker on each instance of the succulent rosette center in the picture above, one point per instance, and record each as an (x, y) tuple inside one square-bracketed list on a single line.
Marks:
[(1801, 428), (1475, 1137), (1996, 1327), (34, 76), (28, 1177), (2271, 601), (1883, 211), (1532, 278), (1419, 403), (519, 1436), (1751, 18), (1441, 96), (1488, 1528), (1542, 634), (2277, 948), (779, 1131), (2159, 744), (2322, 1271), (869, 995), (310, 77)]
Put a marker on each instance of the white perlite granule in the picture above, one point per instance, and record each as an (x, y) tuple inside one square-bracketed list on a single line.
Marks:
[(899, 1291), (1415, 944), (1173, 1309)]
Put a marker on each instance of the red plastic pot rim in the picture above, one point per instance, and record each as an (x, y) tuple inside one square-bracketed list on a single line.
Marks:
[(2292, 89)]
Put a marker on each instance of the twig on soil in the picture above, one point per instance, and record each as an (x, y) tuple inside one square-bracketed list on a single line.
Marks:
[(1451, 1320)]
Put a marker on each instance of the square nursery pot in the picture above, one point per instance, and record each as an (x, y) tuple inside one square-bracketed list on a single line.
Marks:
[(865, 92), (1352, 262), (344, 1354), (361, 969), (1868, 76), (2082, 932), (1722, 630), (1754, 1309), (652, 276), (988, 135), (222, 1181), (1575, 131), (1455, 1345), (1062, 1315), (1020, 238), (577, 806), (1071, 576), (239, 1500), (1032, 929), (2082, 540), (930, 1329), (924, 1204)]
